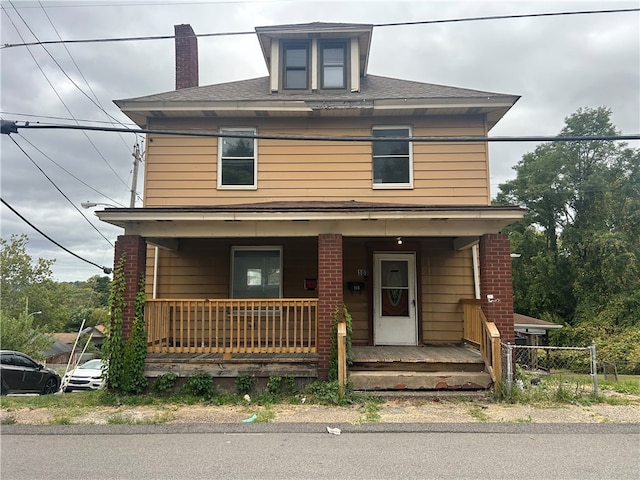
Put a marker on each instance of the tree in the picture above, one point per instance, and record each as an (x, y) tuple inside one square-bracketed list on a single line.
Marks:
[(583, 199), (19, 333), (20, 276)]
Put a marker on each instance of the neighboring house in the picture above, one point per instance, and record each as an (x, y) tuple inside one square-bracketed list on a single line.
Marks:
[(252, 240), (60, 352), (530, 331), (96, 333)]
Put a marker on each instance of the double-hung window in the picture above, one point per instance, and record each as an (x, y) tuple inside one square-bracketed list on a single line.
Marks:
[(392, 157), (333, 65), (237, 159), (256, 272), (296, 66)]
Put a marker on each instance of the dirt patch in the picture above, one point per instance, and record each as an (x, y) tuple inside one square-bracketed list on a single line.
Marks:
[(391, 411)]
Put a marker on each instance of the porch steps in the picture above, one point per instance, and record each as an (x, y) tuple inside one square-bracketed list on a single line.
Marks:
[(408, 380), (441, 367)]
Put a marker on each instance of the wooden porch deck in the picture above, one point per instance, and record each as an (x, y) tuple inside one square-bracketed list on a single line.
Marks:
[(443, 354)]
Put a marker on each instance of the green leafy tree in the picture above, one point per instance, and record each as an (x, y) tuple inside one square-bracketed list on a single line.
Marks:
[(579, 241), (20, 276), (20, 334)]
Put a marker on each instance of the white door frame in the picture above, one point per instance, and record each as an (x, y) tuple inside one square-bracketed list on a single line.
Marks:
[(395, 329)]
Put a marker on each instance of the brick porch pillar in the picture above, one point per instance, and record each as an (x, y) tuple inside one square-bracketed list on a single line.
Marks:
[(134, 250), (330, 294), (496, 280)]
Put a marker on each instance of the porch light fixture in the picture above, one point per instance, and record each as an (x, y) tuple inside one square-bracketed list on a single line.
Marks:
[(399, 240)]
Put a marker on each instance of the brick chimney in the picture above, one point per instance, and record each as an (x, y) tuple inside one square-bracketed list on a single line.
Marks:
[(186, 57)]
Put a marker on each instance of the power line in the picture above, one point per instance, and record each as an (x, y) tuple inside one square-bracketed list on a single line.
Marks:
[(69, 173), (56, 92), (378, 25), (12, 127), (106, 270), (97, 100), (59, 190), (63, 118)]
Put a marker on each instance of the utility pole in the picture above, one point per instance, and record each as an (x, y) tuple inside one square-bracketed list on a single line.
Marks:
[(137, 158)]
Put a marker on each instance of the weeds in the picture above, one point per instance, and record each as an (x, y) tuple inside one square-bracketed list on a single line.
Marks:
[(200, 386), (477, 413), (371, 412)]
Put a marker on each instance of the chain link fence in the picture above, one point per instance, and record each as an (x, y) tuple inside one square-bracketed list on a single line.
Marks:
[(528, 366)]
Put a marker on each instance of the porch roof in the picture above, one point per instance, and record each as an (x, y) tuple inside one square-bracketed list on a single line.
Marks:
[(298, 219)]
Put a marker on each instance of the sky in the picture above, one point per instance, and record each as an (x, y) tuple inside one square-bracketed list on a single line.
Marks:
[(556, 64)]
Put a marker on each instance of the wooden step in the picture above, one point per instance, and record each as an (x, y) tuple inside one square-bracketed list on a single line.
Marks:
[(404, 380)]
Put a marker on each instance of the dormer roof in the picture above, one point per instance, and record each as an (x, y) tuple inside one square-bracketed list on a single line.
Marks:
[(318, 30)]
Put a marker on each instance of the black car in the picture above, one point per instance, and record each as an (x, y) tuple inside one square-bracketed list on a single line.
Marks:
[(19, 373)]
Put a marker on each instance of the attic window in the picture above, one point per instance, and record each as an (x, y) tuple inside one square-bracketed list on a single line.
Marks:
[(333, 65), (296, 66)]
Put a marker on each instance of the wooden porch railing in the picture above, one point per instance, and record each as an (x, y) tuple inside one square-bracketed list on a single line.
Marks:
[(229, 326), (484, 335)]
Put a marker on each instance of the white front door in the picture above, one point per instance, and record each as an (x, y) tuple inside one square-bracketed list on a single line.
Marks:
[(394, 296)]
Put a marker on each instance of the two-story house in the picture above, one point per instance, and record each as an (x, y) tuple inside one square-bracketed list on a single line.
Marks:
[(286, 196)]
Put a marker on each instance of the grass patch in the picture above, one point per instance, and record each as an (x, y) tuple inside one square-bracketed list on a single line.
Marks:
[(265, 416), (478, 413), (61, 420), (526, 419), (370, 412)]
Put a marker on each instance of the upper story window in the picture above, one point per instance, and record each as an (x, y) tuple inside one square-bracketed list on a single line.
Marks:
[(296, 66), (237, 159), (392, 159), (333, 65)]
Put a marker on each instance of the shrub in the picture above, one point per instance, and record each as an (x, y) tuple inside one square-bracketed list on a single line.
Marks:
[(244, 384), (165, 384), (200, 385)]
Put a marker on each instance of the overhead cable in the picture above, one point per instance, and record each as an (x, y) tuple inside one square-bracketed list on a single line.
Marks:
[(106, 270), (69, 173), (59, 190), (12, 127), (379, 25), (60, 98)]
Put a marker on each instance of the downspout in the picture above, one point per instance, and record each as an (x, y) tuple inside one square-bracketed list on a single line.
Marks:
[(476, 271), (155, 272)]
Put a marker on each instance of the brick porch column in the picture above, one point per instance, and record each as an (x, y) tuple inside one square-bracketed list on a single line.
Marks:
[(134, 250), (330, 296), (496, 280)]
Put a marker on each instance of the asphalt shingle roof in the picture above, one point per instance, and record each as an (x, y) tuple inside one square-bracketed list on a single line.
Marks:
[(372, 87)]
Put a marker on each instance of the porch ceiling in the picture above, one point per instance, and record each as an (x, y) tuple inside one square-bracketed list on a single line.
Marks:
[(310, 219)]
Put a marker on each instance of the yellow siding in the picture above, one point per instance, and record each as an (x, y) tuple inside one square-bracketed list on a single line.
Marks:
[(201, 269), (447, 276), (354, 254), (182, 171)]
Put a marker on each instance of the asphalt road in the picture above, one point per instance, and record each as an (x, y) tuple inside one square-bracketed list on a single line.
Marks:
[(270, 451)]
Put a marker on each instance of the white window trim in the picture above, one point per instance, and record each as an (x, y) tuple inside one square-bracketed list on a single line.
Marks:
[(253, 130), (251, 248), (394, 186)]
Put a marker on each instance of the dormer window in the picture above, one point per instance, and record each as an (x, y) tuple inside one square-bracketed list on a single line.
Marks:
[(296, 66), (333, 60)]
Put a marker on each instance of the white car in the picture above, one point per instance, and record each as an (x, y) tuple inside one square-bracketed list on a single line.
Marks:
[(87, 376)]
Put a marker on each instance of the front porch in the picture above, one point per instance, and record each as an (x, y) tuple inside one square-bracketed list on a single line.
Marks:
[(229, 338)]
